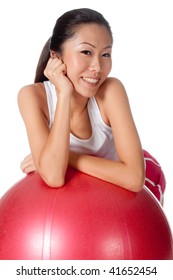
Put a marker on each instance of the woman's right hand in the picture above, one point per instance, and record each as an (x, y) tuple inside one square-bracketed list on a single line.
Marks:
[(55, 71)]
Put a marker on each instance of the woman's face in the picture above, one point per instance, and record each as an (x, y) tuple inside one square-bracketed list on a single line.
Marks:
[(87, 56)]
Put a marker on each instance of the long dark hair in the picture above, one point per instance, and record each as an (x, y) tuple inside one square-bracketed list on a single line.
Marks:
[(64, 29)]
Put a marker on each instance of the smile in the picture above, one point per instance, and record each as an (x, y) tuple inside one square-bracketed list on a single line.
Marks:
[(90, 80)]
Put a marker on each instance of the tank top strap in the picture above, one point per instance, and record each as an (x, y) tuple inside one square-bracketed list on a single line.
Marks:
[(51, 100), (95, 115)]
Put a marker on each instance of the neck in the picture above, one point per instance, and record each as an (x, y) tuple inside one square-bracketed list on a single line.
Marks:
[(78, 104)]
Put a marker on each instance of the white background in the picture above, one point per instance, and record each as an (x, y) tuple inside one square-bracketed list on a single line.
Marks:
[(142, 60)]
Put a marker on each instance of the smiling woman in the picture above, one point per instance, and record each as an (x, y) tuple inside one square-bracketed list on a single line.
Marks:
[(89, 61), (74, 114)]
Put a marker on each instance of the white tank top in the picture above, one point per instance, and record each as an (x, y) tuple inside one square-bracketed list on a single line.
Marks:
[(101, 143)]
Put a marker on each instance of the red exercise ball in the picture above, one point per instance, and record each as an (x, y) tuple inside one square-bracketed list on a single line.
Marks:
[(86, 219)]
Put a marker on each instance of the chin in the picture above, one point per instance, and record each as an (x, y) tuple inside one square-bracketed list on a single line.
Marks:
[(86, 91)]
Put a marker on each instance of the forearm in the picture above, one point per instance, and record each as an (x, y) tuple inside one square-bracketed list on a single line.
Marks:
[(127, 176), (55, 153)]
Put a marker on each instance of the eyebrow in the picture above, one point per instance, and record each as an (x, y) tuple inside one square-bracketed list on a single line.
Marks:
[(87, 43)]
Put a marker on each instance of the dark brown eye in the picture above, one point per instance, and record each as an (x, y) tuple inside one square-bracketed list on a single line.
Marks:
[(106, 55), (86, 52)]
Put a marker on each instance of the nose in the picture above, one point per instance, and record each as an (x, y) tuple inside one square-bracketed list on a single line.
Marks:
[(95, 65)]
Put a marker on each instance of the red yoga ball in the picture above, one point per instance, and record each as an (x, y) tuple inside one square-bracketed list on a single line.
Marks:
[(87, 219)]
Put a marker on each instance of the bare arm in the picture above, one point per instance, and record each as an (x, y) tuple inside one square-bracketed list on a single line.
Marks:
[(128, 172), (49, 148)]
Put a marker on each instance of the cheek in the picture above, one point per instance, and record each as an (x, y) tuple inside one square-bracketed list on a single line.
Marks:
[(107, 68), (75, 67)]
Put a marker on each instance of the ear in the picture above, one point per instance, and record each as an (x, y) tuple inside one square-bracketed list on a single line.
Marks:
[(54, 54)]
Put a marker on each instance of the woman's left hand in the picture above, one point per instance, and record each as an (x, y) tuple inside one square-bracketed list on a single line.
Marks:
[(27, 165)]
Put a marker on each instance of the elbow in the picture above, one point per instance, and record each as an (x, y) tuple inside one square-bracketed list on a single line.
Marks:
[(53, 181), (133, 179), (52, 177), (136, 183), (137, 187), (136, 177)]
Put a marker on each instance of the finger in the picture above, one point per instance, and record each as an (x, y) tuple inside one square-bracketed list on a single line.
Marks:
[(29, 169), (27, 157), (54, 70), (53, 61), (26, 161), (53, 54), (23, 166)]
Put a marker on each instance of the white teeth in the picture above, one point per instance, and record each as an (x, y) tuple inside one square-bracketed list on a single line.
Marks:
[(90, 80)]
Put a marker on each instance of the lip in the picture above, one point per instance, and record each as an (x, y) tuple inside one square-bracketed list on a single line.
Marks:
[(91, 80)]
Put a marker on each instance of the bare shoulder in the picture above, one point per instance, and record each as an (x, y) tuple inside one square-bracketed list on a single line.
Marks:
[(112, 98), (33, 94), (30, 92), (32, 99), (110, 88)]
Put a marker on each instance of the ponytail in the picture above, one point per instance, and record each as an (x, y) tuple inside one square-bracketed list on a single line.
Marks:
[(44, 57)]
